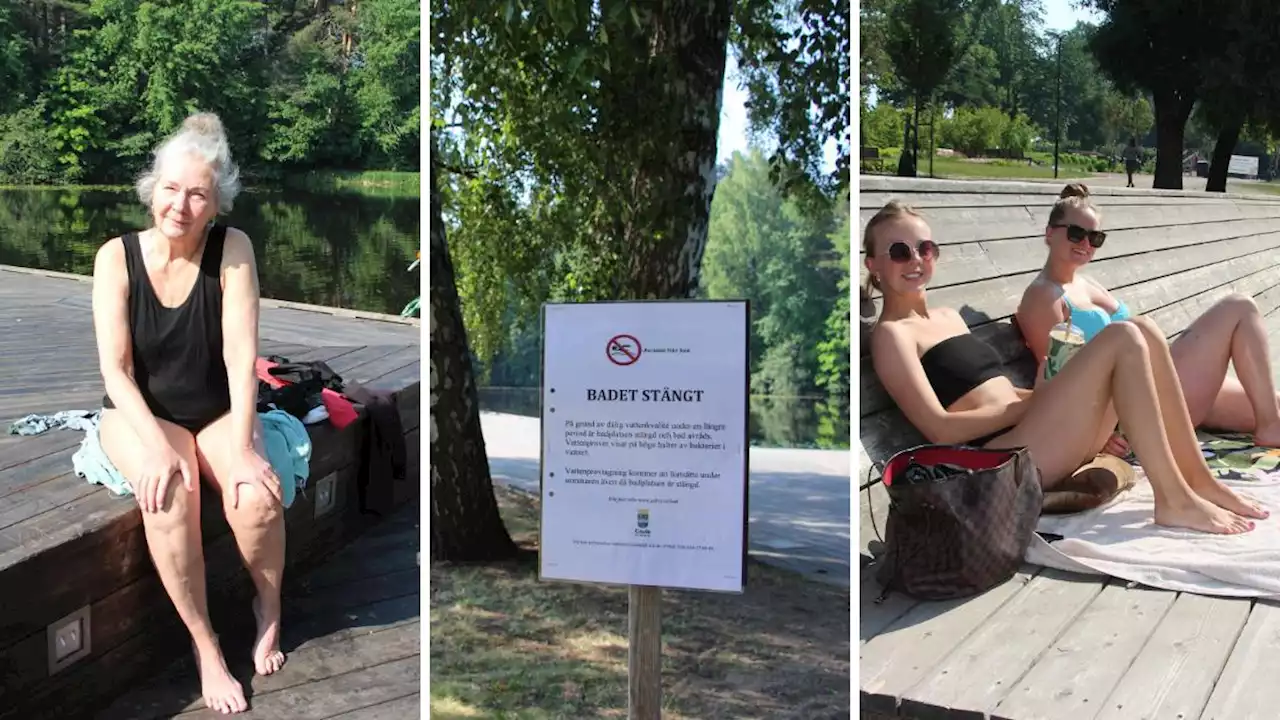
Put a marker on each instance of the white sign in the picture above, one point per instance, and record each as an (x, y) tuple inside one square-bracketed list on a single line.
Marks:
[(1246, 165), (644, 443)]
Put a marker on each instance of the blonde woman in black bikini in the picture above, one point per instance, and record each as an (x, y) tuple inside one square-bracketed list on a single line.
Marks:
[(951, 386)]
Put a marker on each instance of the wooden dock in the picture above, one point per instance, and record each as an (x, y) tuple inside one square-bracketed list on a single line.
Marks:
[(70, 552), (352, 637), (1048, 644)]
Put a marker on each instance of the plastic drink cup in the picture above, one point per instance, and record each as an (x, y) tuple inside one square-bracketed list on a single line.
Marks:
[(1065, 340)]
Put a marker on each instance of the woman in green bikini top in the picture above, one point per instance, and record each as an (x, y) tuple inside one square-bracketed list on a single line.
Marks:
[(1229, 332)]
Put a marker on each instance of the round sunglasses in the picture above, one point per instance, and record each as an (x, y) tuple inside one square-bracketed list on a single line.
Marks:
[(901, 252), (1077, 234)]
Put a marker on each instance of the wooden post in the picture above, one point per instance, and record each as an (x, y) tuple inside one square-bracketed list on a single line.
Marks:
[(644, 653)]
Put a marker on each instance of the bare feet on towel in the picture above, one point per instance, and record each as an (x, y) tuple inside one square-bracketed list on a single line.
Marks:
[(1211, 489), (222, 693), (267, 657), (1196, 513)]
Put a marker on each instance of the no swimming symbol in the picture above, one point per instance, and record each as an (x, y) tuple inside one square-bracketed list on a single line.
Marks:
[(623, 350)]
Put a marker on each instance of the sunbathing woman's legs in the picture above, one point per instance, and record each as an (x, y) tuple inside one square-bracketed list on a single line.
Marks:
[(1180, 431), (1230, 332), (1060, 427), (258, 526), (173, 537)]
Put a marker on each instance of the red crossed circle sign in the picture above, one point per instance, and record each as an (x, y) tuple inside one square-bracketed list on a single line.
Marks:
[(623, 350)]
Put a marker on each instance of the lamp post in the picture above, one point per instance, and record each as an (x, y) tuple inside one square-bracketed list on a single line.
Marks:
[(1057, 101)]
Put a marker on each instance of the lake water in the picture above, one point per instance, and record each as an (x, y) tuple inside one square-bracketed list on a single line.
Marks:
[(804, 422), (339, 250)]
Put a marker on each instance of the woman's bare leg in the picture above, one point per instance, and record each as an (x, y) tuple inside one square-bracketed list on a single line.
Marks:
[(173, 537), (1181, 433), (258, 526), (1061, 425), (1230, 332)]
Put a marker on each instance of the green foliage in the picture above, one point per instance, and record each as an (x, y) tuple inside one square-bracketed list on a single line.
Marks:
[(298, 85), (578, 145), (974, 131), (794, 58), (882, 126), (27, 148), (925, 40), (765, 247)]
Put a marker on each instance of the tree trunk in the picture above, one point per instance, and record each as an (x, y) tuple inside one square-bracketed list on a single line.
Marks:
[(674, 89), (465, 523), (1172, 110), (1227, 137)]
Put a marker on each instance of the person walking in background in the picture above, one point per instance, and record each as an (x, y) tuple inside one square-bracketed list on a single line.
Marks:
[(1132, 159)]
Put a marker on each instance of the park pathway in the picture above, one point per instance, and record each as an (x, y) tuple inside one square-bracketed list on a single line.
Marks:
[(798, 508)]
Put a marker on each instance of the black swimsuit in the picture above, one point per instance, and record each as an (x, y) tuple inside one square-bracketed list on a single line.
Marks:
[(956, 366), (177, 352)]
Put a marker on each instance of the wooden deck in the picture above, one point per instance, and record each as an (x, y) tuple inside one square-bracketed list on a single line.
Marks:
[(68, 548), (352, 636), (1049, 644)]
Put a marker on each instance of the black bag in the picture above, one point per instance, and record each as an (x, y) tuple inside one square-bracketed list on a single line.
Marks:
[(960, 519)]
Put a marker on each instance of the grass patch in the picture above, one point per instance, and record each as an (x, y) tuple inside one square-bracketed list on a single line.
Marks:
[(370, 182), (959, 168), (504, 645), (1257, 188)]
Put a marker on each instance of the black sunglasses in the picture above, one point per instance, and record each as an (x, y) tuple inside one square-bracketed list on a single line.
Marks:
[(1077, 234), (900, 252)]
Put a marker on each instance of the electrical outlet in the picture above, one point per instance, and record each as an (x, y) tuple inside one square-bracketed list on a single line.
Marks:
[(69, 639), (326, 494)]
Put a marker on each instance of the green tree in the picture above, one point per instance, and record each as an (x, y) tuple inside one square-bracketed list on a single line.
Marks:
[(1163, 47), (331, 84), (925, 40), (1241, 82), (579, 141), (766, 247), (387, 78)]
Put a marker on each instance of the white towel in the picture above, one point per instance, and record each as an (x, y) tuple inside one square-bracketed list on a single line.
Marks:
[(1122, 540)]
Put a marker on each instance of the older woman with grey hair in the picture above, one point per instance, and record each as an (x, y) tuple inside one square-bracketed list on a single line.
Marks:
[(175, 310)]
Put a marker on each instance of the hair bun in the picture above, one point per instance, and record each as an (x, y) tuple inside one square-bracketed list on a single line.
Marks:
[(204, 123), (1079, 190)]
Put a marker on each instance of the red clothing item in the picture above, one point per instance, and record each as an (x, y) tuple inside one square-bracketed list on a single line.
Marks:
[(341, 412)]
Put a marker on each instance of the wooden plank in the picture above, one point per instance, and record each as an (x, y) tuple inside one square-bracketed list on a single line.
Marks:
[(913, 647), (409, 706), (42, 498), (1076, 675), (979, 673), (873, 617), (1175, 672), (1247, 687), (971, 262), (402, 357), (334, 696)]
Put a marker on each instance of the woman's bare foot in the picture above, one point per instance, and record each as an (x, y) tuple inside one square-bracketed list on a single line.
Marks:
[(1200, 514), (1211, 489), (267, 657), (221, 691), (1267, 436)]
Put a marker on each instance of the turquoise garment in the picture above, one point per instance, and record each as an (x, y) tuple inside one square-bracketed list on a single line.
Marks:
[(1092, 321), (288, 451), (287, 443)]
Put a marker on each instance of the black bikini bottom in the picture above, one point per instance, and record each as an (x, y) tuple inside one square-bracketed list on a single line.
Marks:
[(982, 441)]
